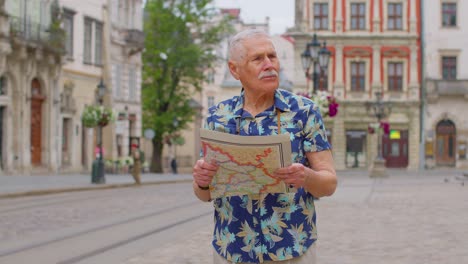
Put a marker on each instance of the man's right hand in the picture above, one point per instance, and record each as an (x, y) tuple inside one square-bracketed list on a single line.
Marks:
[(203, 172)]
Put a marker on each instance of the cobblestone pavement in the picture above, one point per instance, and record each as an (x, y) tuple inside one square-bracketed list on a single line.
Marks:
[(407, 218)]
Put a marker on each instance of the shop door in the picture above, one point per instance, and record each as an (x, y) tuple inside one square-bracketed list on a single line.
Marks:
[(36, 123), (445, 143), (395, 149)]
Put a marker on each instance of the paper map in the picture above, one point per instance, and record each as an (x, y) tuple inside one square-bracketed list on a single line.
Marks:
[(246, 163)]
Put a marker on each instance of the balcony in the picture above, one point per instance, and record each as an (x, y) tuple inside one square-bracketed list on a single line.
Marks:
[(135, 38), (31, 33), (439, 88)]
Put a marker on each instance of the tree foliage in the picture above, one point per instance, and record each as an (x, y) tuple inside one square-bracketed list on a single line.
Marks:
[(180, 38)]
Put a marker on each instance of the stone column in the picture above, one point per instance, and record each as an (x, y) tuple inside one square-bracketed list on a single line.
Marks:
[(301, 15), (55, 136), (414, 81), (376, 18), (339, 83), (413, 138), (376, 82), (339, 16), (413, 17), (339, 141)]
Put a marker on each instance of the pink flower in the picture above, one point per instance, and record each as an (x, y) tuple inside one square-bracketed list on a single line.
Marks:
[(332, 106), (385, 126), (333, 109)]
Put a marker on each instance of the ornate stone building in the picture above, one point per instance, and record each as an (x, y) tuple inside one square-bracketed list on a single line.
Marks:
[(445, 37), (30, 67), (47, 78), (104, 42), (375, 47)]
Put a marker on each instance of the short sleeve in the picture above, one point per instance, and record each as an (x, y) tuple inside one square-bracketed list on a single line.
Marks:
[(315, 132)]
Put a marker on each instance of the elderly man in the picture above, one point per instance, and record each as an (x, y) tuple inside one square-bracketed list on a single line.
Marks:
[(268, 227)]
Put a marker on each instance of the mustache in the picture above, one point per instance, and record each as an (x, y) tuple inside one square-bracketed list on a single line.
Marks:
[(270, 73)]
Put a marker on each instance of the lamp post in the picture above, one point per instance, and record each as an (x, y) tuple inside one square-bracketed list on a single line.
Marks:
[(316, 55), (98, 176), (379, 110)]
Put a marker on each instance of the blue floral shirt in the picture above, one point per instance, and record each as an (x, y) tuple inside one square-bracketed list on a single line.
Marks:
[(269, 227)]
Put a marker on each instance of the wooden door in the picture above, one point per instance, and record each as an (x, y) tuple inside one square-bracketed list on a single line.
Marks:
[(36, 123), (445, 143), (395, 149)]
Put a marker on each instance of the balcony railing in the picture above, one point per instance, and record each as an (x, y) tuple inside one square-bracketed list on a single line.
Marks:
[(135, 38), (438, 88), (36, 33)]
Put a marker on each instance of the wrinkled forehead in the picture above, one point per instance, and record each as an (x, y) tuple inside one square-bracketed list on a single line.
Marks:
[(260, 45), (256, 45)]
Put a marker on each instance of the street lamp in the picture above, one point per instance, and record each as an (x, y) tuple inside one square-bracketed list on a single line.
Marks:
[(379, 110), (98, 176), (316, 55)]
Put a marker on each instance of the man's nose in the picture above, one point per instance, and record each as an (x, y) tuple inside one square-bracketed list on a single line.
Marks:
[(267, 63)]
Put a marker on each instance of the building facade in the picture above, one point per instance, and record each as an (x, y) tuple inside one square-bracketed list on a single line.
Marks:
[(445, 36), (30, 68), (375, 47), (104, 43), (47, 78)]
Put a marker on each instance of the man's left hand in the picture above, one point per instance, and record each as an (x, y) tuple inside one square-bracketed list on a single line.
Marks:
[(294, 175)]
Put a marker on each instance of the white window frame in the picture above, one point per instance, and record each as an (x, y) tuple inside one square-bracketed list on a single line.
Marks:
[(348, 16), (404, 15), (441, 23), (449, 53), (312, 12), (367, 62), (93, 42), (68, 13), (385, 62)]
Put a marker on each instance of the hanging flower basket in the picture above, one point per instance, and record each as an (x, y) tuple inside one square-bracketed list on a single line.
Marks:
[(326, 103), (376, 127), (94, 116)]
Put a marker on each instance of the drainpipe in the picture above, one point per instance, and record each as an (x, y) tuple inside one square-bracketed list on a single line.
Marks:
[(422, 139)]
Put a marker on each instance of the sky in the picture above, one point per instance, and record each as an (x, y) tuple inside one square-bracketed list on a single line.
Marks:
[(281, 12)]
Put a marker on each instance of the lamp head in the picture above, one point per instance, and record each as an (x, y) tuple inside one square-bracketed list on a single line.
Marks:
[(101, 90), (324, 57)]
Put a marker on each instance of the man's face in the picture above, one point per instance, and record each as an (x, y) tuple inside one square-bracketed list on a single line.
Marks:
[(258, 67)]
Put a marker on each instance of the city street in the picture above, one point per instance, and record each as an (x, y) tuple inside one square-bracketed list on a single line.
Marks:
[(405, 218), (105, 226)]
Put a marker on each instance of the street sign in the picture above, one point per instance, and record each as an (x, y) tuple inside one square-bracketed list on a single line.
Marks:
[(120, 126), (149, 133)]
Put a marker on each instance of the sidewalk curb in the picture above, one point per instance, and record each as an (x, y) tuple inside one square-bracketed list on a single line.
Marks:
[(87, 188)]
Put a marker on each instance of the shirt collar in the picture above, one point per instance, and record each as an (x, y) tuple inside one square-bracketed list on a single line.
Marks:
[(280, 102)]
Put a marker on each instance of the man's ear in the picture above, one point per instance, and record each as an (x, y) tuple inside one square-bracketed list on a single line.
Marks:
[(233, 69)]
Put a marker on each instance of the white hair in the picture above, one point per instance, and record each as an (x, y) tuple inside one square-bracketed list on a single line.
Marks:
[(236, 49)]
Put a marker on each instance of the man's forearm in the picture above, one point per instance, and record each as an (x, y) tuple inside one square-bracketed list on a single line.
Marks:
[(203, 195), (320, 183)]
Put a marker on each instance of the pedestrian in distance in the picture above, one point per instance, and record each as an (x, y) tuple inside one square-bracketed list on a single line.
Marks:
[(136, 172), (268, 228), (174, 165)]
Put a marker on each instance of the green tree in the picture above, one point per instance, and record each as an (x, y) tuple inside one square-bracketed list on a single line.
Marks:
[(180, 37)]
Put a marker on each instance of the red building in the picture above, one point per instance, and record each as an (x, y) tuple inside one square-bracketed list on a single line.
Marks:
[(375, 47)]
